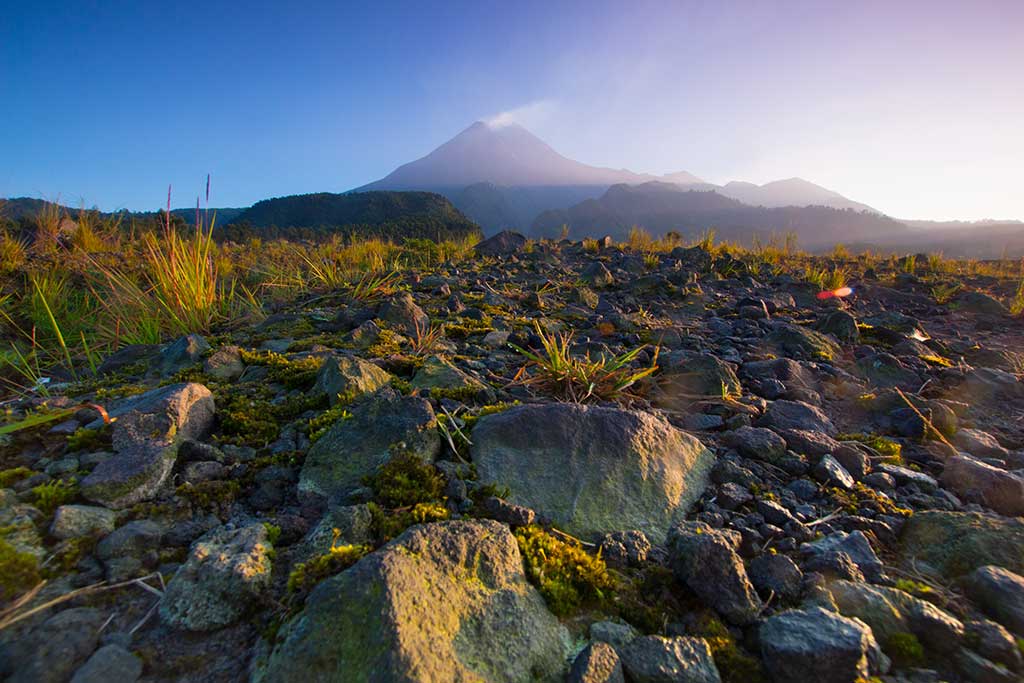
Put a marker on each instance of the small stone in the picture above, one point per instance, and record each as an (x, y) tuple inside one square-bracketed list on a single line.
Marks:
[(146, 436), (348, 377), (1000, 593), (815, 646), (205, 470), (657, 659), (998, 489), (775, 574), (625, 548), (225, 364), (756, 442), (180, 354), (597, 663), (509, 513), (829, 471), (109, 664), (855, 545), (784, 415), (615, 634), (224, 574), (79, 521), (705, 559)]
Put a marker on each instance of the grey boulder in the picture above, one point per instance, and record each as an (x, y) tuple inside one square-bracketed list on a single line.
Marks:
[(227, 569), (593, 470), (705, 559), (147, 432), (380, 619), (381, 427), (815, 646)]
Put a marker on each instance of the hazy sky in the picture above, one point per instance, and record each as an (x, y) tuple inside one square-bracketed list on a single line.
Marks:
[(914, 107)]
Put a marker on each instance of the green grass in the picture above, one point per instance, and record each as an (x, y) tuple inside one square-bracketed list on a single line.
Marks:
[(556, 371)]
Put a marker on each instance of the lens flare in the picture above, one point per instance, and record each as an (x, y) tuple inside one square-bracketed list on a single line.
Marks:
[(838, 293)]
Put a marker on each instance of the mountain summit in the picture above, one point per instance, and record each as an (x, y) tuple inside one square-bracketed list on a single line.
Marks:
[(504, 155)]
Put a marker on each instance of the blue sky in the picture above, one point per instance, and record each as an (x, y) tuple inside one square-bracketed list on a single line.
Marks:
[(916, 109)]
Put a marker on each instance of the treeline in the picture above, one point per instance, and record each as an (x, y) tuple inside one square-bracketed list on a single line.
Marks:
[(395, 231)]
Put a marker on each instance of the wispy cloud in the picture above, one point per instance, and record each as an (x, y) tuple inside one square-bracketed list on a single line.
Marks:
[(527, 115)]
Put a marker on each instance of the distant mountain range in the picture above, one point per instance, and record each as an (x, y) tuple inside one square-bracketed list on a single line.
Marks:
[(662, 207), (502, 176), (505, 177)]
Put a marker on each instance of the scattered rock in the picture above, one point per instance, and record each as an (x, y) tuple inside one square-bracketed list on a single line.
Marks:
[(225, 364), (504, 243), (226, 571), (348, 377), (756, 442), (180, 354), (109, 664), (657, 659), (705, 560), (597, 663), (401, 311), (381, 427), (379, 619), (78, 521), (796, 415), (146, 436), (815, 646), (623, 469), (52, 652), (952, 544), (775, 574), (1000, 593), (998, 489)]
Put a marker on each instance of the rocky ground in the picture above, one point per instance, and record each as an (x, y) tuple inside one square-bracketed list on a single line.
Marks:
[(381, 484)]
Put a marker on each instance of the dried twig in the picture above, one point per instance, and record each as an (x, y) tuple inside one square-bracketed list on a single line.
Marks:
[(929, 427), (9, 618), (830, 516)]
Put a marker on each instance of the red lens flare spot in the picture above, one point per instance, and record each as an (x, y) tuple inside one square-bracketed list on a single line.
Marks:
[(839, 293)]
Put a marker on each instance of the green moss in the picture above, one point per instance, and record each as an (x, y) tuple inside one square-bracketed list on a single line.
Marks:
[(246, 420), (18, 571), (51, 495), (292, 373), (386, 524), (562, 571), (210, 495), (937, 361), (387, 344), (892, 450), (866, 497), (406, 480), (319, 425), (646, 598), (735, 665), (89, 439), (273, 532), (461, 328), (12, 476), (68, 553), (905, 650), (305, 575), (916, 588)]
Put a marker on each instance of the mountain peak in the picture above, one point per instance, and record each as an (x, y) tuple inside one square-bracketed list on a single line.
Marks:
[(502, 153)]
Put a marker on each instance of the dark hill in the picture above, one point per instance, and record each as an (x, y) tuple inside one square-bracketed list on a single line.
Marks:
[(661, 207), (386, 214)]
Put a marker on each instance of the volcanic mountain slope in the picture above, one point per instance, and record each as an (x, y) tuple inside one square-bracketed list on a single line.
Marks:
[(504, 176), (506, 155), (385, 484)]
